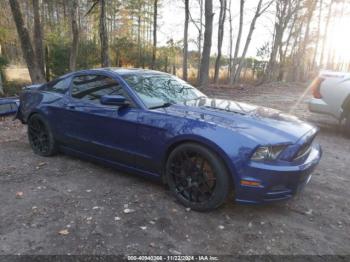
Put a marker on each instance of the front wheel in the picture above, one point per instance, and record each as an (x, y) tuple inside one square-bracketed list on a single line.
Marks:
[(197, 177), (40, 136)]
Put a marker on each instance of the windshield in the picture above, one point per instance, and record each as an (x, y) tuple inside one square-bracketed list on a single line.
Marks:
[(156, 90)]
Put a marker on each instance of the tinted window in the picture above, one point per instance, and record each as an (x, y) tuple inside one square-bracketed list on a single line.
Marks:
[(58, 86), (93, 87)]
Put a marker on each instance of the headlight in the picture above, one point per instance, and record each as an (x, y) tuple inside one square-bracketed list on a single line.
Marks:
[(267, 153)]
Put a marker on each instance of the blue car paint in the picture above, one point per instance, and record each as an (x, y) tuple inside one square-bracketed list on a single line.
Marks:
[(8, 106), (138, 139)]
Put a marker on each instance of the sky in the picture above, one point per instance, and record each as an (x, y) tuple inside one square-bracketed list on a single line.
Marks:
[(172, 16), (171, 24)]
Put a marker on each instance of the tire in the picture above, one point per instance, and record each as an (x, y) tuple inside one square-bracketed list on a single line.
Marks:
[(197, 177), (40, 136)]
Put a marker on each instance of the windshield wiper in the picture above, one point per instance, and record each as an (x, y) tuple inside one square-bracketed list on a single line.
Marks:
[(167, 104)]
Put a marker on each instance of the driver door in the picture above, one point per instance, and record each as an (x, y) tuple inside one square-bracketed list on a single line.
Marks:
[(103, 131)]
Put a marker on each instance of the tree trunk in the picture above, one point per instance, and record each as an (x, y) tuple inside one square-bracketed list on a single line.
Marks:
[(47, 67), (283, 53), (326, 33), (222, 18), (75, 35), (231, 40), (38, 37), (185, 51), (306, 40), (277, 41), (284, 11), (139, 38), (247, 42), (154, 50), (104, 36), (318, 35), (200, 33), (294, 74), (1, 84), (205, 61), (27, 48), (238, 42), (166, 64)]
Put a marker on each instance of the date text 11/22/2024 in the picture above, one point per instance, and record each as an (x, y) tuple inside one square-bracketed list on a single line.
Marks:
[(173, 258)]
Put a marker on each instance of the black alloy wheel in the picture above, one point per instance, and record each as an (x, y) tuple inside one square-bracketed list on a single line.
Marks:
[(40, 136), (197, 177)]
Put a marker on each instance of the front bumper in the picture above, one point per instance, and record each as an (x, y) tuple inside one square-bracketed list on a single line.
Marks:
[(321, 107), (276, 182), (318, 106)]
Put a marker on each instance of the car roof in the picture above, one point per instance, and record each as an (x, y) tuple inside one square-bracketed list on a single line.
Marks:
[(123, 71)]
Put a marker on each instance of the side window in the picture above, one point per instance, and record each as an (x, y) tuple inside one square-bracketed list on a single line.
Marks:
[(92, 87), (58, 86)]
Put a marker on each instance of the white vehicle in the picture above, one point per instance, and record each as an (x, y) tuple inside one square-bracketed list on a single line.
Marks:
[(331, 96)]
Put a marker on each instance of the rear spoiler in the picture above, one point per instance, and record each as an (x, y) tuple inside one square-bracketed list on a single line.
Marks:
[(32, 87)]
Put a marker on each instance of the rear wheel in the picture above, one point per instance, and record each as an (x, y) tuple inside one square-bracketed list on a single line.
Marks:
[(197, 177), (40, 136)]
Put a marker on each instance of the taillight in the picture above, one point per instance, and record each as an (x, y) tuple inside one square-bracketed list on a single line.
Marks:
[(316, 86)]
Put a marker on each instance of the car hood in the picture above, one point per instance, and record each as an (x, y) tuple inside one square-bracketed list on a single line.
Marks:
[(262, 124)]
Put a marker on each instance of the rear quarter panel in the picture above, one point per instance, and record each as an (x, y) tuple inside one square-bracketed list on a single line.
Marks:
[(35, 101)]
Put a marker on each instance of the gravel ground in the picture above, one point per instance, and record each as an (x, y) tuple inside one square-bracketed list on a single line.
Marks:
[(63, 205)]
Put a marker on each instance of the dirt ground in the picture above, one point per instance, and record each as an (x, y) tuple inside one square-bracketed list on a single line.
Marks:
[(63, 205)]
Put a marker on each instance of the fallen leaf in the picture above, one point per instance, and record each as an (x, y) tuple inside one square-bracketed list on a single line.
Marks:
[(143, 228), (174, 251), (309, 212), (41, 164), (96, 207), (117, 218), (19, 194), (63, 232)]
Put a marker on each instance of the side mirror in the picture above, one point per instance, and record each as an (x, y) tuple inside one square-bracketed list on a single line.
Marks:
[(114, 100)]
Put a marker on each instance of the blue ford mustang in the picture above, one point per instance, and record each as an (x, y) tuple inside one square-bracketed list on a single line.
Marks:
[(157, 125)]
